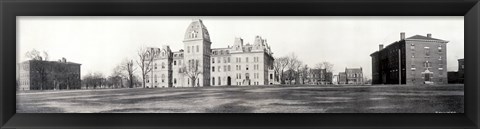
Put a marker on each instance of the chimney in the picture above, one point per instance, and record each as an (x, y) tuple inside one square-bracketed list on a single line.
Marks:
[(380, 47), (429, 35), (64, 60), (402, 36)]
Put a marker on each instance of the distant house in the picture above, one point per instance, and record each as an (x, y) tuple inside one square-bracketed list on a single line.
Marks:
[(49, 75), (354, 76)]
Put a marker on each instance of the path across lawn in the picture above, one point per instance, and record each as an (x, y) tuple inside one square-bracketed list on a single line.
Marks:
[(253, 99)]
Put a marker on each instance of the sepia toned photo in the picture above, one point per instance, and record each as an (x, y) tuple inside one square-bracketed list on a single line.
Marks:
[(226, 64)]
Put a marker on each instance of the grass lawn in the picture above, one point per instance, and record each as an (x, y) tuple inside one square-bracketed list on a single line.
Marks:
[(252, 99)]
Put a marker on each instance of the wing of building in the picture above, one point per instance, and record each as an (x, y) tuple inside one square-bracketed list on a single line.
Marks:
[(414, 60), (200, 65)]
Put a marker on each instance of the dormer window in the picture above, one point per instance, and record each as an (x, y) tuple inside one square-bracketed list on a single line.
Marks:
[(193, 34)]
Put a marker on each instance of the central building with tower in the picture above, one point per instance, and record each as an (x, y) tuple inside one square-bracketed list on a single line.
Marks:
[(198, 65)]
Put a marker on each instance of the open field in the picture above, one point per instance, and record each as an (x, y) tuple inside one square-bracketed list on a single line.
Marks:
[(254, 99)]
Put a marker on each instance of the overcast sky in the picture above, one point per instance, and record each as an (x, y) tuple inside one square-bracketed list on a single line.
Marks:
[(101, 43)]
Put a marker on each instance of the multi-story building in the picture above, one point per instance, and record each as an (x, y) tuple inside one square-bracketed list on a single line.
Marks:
[(240, 64), (354, 76), (414, 60), (49, 75), (320, 77), (351, 76)]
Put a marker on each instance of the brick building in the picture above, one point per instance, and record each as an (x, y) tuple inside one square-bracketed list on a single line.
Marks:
[(48, 75), (414, 60)]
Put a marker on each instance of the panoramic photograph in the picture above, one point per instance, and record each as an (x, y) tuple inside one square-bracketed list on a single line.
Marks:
[(240, 64)]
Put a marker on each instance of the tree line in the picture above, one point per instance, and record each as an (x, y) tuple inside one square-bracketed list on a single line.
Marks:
[(289, 68)]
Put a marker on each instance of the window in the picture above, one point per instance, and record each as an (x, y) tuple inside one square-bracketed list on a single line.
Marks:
[(228, 59), (213, 60), (240, 67), (427, 51), (219, 81), (228, 67), (236, 67), (155, 78), (440, 58), (426, 64), (188, 49), (155, 65), (218, 60), (239, 60), (439, 48), (246, 59), (224, 68), (213, 69), (213, 80), (198, 49), (174, 62), (246, 67), (219, 68), (174, 81), (163, 65), (271, 76)]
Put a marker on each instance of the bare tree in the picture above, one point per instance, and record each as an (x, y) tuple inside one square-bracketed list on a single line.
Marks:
[(126, 69), (279, 67), (45, 56), (33, 55), (294, 65), (94, 79), (192, 70), (328, 69), (146, 57), (39, 66), (305, 72)]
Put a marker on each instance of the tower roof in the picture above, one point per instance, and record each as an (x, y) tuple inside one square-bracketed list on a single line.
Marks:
[(197, 30)]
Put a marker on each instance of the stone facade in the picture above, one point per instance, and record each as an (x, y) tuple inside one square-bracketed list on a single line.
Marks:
[(48, 75), (240, 64), (414, 60)]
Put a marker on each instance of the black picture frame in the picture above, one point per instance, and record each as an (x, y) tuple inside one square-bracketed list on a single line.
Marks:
[(470, 9)]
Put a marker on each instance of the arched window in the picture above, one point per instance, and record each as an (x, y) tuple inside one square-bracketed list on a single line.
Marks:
[(174, 81)]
